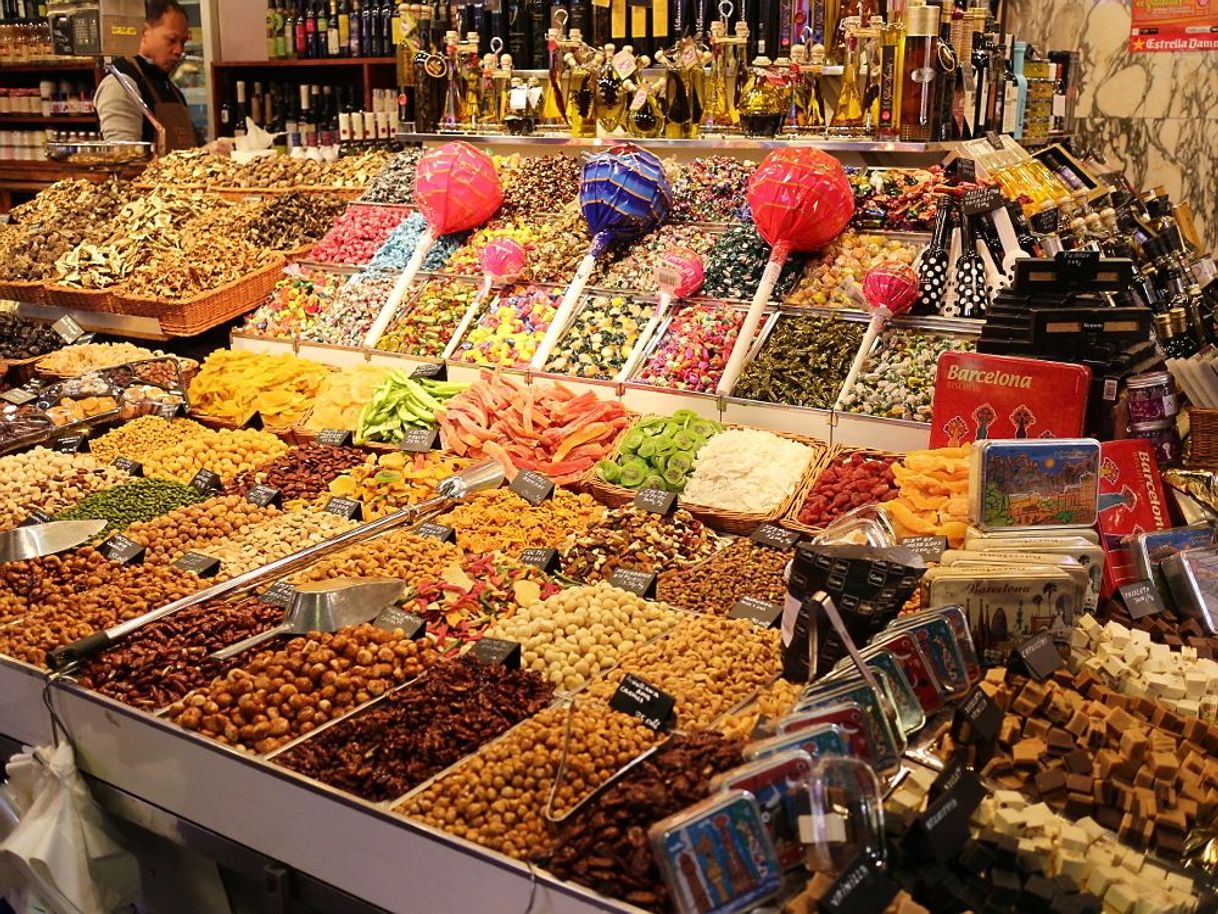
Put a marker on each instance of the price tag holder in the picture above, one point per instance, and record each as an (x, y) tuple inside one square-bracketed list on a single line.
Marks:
[(963, 781), (532, 487), (420, 440), (264, 496), (759, 612), (1077, 267), (436, 371), (1039, 656), (122, 550), (129, 466), (204, 566), (643, 701), (1141, 599), (345, 507), (657, 501), (68, 329), (546, 560), (930, 548), (640, 583), (392, 618), (334, 437), (498, 652), (18, 396), (206, 482), (72, 444), (37, 516), (941, 831), (965, 169), (280, 594), (860, 889), (254, 422), (992, 137), (981, 200), (978, 719), (775, 537), (169, 411), (437, 531), (1046, 221)]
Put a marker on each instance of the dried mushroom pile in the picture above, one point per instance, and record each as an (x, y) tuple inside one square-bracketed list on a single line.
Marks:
[(197, 168)]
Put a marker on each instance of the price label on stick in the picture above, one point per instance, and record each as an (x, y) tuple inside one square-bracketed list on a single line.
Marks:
[(643, 701), (775, 537), (334, 437), (349, 508), (861, 888), (657, 501), (978, 719), (122, 550), (264, 496), (205, 566), (498, 652), (1039, 656), (18, 397), (281, 594), (981, 200), (640, 583), (437, 531), (930, 548), (1142, 599), (532, 487), (419, 440), (435, 371), (69, 331), (72, 444), (392, 618), (546, 560), (129, 466), (207, 482), (759, 612), (36, 517)]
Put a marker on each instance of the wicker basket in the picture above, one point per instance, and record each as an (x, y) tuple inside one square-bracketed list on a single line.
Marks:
[(194, 315), (32, 292), (1203, 438), (19, 371), (742, 523), (791, 519), (604, 492), (85, 299), (287, 433)]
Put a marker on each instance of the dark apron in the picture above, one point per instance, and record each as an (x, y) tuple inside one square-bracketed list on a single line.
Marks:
[(170, 109)]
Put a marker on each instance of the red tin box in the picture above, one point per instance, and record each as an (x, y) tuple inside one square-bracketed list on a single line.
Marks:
[(1132, 501)]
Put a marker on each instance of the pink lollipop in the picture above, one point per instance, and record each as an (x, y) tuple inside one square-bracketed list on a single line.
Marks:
[(456, 188), (502, 261), (890, 288), (679, 274)]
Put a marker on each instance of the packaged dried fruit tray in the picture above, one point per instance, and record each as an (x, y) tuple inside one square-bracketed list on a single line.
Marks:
[(836, 457), (743, 523)]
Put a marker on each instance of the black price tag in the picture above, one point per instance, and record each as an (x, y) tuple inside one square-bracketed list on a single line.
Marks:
[(436, 371), (930, 548), (981, 200), (391, 618), (965, 169), (532, 487), (977, 719), (498, 652), (18, 396), (643, 701), (207, 482), (436, 531), (640, 583), (345, 507), (69, 331), (205, 566), (281, 594), (334, 437), (129, 466), (36, 517), (941, 831), (960, 780), (72, 444), (1039, 656), (993, 139), (419, 440), (169, 410), (756, 611), (860, 889), (264, 496), (1046, 221), (545, 559), (657, 501), (254, 422), (1078, 267), (775, 537), (1142, 599), (119, 548)]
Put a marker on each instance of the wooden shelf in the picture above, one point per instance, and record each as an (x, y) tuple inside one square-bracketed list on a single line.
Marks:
[(49, 66), (48, 120), (305, 62)]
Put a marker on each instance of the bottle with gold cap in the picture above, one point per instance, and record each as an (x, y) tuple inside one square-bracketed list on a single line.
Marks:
[(918, 109), (848, 117)]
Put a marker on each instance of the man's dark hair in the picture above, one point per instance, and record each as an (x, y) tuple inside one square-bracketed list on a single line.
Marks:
[(156, 10)]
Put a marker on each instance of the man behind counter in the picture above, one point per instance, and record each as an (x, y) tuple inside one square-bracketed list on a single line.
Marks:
[(162, 46)]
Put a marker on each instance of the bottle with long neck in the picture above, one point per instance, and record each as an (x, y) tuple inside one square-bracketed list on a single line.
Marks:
[(518, 32), (552, 114), (848, 115), (610, 92), (945, 84), (539, 33), (429, 77), (581, 93), (892, 40), (918, 112), (871, 79)]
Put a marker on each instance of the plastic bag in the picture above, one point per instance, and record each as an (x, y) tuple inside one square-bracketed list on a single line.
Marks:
[(63, 851)]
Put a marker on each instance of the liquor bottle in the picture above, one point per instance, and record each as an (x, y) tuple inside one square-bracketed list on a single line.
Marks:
[(367, 29), (256, 104), (518, 40), (892, 41), (311, 29), (344, 28), (454, 103), (272, 12), (225, 127), (241, 112), (945, 84), (1171, 330), (385, 29), (398, 13), (871, 77), (761, 109), (581, 16), (301, 30), (1020, 53), (354, 46), (848, 118), (428, 72), (539, 53), (918, 74), (610, 92), (282, 30), (645, 119), (581, 95), (322, 39)]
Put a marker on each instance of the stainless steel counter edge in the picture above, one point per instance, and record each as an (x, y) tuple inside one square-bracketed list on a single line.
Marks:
[(366, 851)]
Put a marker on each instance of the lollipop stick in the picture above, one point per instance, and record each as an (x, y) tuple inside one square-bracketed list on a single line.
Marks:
[(562, 316), (470, 313), (636, 354), (878, 320), (426, 242), (744, 339)]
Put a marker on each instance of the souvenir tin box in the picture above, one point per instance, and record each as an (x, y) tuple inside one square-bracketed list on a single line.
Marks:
[(1192, 576), (943, 634), (817, 741), (980, 396), (973, 537), (1132, 501), (884, 664), (779, 783), (716, 856), (957, 621), (1020, 484), (887, 741), (849, 716), (915, 668), (1151, 549), (1067, 563)]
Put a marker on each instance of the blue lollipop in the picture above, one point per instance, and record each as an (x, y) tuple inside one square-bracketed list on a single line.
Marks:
[(624, 193)]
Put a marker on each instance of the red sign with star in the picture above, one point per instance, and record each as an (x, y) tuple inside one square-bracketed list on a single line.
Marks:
[(1174, 25)]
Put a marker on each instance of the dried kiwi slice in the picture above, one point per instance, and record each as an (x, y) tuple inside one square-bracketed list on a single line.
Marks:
[(684, 416), (687, 441), (631, 441), (654, 481), (665, 444), (674, 476), (609, 471), (632, 477), (679, 461), (648, 448), (704, 428)]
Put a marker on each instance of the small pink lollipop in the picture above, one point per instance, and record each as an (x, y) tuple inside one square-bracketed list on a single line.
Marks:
[(890, 288), (679, 274), (502, 261)]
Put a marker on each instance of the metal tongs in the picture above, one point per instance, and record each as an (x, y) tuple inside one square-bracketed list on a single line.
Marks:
[(487, 475)]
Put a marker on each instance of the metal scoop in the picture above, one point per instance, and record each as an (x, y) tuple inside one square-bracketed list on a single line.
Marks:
[(38, 540), (327, 606)]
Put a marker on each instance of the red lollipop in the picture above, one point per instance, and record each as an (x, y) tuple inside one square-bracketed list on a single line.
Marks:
[(890, 288), (801, 200)]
